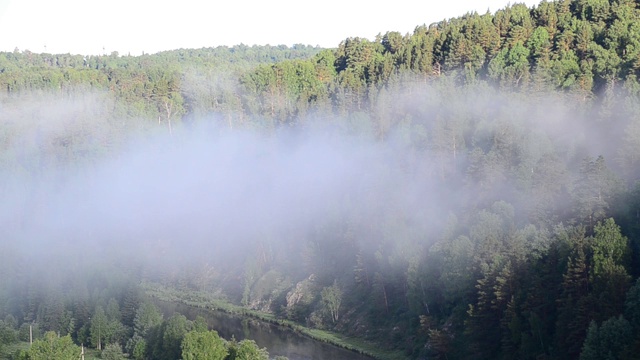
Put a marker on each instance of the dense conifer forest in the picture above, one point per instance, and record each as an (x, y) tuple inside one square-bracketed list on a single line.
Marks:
[(466, 191)]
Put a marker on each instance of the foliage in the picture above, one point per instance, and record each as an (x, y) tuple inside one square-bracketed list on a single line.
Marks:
[(246, 350), (54, 347), (203, 345), (113, 352), (332, 299), (609, 341), (530, 253)]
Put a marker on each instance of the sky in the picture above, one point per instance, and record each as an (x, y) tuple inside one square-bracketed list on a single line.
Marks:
[(137, 26)]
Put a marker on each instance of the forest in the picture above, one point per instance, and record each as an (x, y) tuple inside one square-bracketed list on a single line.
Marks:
[(466, 191)]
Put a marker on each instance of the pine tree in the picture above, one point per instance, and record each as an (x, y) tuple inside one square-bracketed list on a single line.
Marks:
[(574, 304)]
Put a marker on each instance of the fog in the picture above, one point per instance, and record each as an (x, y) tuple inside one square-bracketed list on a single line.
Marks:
[(79, 187)]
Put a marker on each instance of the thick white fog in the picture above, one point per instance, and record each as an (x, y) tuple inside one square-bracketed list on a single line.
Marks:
[(76, 183)]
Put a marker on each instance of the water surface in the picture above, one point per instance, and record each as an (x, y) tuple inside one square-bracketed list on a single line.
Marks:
[(277, 339)]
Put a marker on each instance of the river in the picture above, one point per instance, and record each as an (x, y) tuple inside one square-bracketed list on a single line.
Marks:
[(278, 340)]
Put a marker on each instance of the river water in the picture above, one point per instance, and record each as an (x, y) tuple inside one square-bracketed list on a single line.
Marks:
[(278, 340)]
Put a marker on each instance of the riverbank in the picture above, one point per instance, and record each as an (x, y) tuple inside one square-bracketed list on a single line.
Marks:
[(208, 301)]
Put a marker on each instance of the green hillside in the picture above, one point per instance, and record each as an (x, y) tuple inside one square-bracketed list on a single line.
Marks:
[(466, 191)]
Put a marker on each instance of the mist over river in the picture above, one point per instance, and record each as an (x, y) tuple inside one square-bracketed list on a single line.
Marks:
[(278, 341)]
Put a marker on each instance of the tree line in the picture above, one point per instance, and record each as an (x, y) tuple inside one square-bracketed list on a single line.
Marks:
[(585, 49), (138, 330)]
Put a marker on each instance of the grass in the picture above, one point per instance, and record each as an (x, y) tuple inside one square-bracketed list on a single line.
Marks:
[(207, 301)]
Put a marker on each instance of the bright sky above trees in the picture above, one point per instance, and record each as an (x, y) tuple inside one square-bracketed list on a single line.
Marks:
[(134, 26)]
